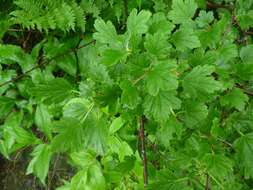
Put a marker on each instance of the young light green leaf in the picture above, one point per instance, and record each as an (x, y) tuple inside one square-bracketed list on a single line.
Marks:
[(11, 53), (89, 179), (39, 164), (116, 124), (182, 11), (106, 32), (83, 159), (23, 137), (204, 18), (4, 149), (78, 108), (122, 148), (43, 120), (137, 23)]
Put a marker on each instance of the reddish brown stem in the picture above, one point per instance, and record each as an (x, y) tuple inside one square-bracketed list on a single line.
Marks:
[(143, 150)]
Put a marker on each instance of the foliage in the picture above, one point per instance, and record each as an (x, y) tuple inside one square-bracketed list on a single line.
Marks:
[(76, 77)]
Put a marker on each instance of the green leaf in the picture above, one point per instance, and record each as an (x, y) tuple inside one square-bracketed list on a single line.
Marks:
[(195, 112), (3, 149), (70, 136), (78, 108), (130, 96), (218, 166), (204, 18), (166, 180), (160, 24), (43, 120), (245, 20), (39, 164), (137, 23), (116, 124), (23, 137), (246, 54), (53, 91), (182, 11), (244, 150), (96, 134), (157, 44), (167, 130), (10, 53), (235, 99), (120, 147), (83, 159), (90, 66), (6, 105), (199, 82), (113, 56), (14, 119), (228, 52), (162, 77), (161, 106), (245, 71), (185, 38), (106, 32), (68, 64), (88, 179)]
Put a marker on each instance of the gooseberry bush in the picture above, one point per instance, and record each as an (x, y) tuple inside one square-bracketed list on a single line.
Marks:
[(133, 94)]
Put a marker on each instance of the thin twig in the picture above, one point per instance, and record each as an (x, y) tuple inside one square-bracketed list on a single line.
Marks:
[(53, 172), (45, 63), (143, 150), (207, 186), (24, 44), (125, 10), (15, 30), (225, 142)]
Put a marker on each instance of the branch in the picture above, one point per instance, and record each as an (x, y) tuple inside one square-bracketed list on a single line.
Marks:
[(213, 5), (45, 63), (143, 150), (248, 33), (249, 93)]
